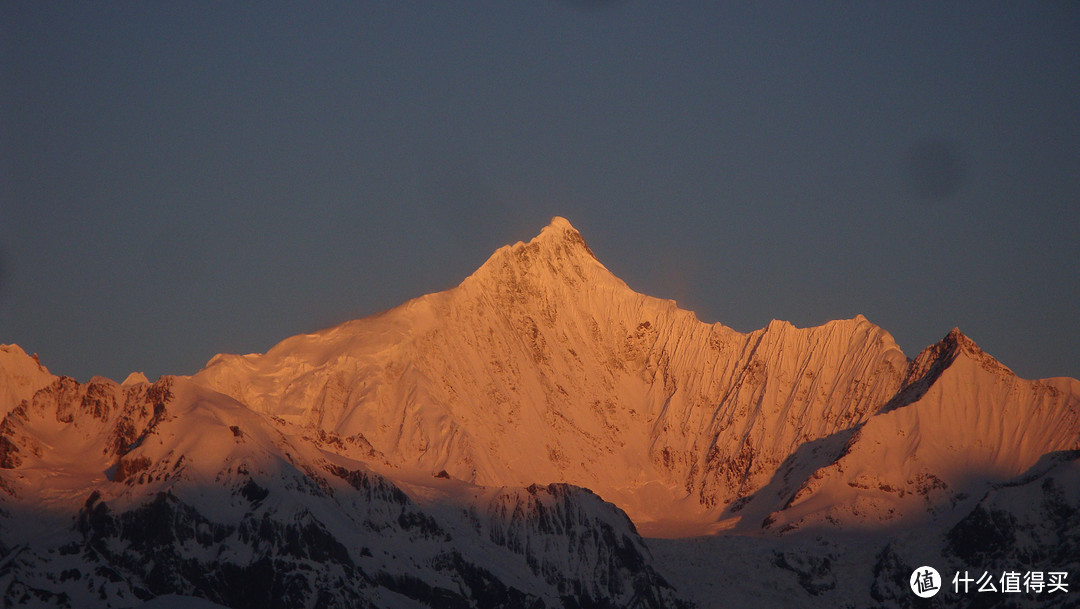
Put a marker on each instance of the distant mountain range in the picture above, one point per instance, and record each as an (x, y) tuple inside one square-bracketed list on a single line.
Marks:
[(509, 443)]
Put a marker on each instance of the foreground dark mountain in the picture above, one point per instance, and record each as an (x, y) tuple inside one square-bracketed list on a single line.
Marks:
[(460, 450)]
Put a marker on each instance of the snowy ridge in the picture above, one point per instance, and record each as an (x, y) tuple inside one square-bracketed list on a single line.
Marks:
[(112, 495), (502, 443), (20, 376), (962, 423), (544, 367)]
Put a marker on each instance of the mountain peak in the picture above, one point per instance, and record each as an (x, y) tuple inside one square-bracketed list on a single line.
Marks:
[(21, 375), (932, 362), (956, 342), (946, 349), (560, 223), (13, 355), (558, 251), (560, 233), (135, 378)]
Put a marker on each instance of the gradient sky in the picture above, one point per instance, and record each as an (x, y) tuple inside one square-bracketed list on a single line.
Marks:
[(181, 179)]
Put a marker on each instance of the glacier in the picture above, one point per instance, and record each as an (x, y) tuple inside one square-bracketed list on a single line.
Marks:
[(538, 436)]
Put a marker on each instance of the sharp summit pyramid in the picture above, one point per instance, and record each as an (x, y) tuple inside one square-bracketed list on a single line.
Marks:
[(509, 442), (542, 366)]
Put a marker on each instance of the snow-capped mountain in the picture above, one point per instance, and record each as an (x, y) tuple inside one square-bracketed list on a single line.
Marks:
[(544, 367), (500, 444), (961, 423), (113, 495)]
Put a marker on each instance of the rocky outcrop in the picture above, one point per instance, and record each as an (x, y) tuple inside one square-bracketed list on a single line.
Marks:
[(170, 489)]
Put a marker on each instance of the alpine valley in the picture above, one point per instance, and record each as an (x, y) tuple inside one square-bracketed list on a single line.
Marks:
[(542, 436)]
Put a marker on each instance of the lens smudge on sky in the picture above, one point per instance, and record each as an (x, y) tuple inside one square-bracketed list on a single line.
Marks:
[(935, 169)]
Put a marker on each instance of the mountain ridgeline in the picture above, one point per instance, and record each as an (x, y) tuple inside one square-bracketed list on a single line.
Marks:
[(544, 367), (507, 442)]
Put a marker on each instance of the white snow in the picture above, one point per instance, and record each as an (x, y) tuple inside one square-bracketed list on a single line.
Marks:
[(543, 367), (135, 378), (20, 377), (977, 424)]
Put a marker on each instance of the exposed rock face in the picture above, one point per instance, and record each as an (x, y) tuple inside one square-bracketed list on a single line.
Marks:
[(543, 366), (462, 450), (114, 495)]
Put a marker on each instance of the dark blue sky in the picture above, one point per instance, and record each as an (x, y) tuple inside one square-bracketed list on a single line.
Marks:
[(181, 179)]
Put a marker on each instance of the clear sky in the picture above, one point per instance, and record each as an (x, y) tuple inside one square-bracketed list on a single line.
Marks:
[(181, 179)]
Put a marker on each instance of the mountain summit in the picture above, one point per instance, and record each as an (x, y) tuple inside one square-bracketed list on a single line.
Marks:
[(503, 443), (542, 366)]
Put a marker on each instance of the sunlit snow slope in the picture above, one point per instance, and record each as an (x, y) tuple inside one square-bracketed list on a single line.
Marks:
[(111, 495), (484, 446), (962, 423), (544, 367)]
